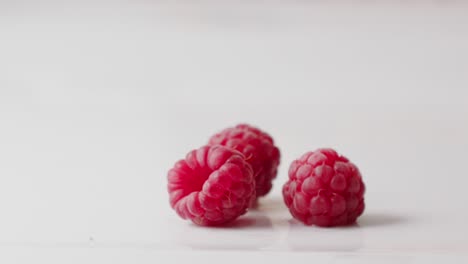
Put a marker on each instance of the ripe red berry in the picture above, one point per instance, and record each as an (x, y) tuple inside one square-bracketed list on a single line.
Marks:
[(324, 189), (213, 185), (259, 149)]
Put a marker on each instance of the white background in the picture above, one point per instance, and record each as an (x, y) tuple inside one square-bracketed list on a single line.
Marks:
[(99, 99)]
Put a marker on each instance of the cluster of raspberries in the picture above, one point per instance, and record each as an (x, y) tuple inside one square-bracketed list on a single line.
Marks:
[(219, 182)]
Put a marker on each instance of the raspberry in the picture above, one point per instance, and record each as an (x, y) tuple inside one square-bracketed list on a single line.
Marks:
[(258, 147), (324, 189), (213, 185)]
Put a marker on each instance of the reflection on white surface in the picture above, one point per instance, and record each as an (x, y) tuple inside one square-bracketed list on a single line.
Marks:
[(251, 233), (342, 239)]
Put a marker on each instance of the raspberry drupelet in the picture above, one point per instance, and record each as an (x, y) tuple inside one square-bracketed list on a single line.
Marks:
[(324, 189), (259, 149), (212, 186)]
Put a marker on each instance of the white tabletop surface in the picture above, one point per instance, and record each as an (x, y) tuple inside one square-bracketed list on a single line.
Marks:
[(99, 99)]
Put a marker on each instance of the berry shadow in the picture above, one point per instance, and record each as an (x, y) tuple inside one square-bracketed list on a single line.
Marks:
[(364, 221), (338, 238), (380, 219)]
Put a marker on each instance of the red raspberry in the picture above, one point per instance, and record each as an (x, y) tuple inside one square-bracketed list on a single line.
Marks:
[(324, 189), (213, 185), (258, 147)]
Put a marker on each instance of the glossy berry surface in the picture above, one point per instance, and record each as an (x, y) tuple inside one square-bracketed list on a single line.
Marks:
[(324, 189), (213, 185), (259, 149)]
